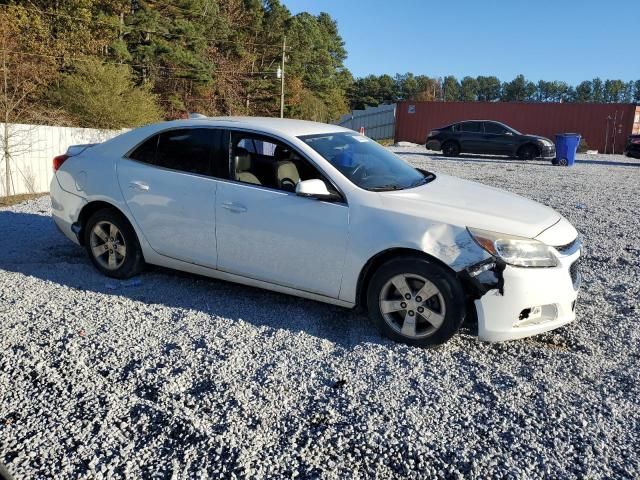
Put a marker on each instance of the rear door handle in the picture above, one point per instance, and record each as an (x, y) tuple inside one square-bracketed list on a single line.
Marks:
[(139, 186), (234, 207)]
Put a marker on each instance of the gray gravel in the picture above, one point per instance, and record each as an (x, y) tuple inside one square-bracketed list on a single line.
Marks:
[(177, 376)]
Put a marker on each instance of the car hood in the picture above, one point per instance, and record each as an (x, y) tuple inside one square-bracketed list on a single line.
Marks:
[(469, 204), (537, 137)]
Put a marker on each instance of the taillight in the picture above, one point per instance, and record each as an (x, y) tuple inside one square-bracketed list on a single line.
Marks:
[(58, 161)]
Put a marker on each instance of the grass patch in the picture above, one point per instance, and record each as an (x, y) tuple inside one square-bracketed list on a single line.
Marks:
[(15, 199)]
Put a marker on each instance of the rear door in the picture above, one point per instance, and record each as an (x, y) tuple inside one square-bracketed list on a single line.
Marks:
[(169, 183), (471, 137)]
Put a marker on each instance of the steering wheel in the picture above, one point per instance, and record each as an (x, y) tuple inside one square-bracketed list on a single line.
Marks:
[(288, 185)]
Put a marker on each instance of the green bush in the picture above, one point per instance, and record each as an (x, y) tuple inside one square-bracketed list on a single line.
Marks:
[(582, 146), (99, 95)]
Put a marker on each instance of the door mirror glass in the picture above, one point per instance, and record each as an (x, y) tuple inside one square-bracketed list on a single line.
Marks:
[(313, 188)]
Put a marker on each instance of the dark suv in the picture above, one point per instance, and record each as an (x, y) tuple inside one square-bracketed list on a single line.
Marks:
[(487, 136)]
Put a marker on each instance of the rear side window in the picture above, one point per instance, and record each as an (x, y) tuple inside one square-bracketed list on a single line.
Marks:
[(186, 150), (204, 151), (147, 151), (473, 127)]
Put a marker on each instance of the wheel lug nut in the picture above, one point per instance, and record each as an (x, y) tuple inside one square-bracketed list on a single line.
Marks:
[(403, 305), (418, 299), (411, 313), (408, 296), (420, 309)]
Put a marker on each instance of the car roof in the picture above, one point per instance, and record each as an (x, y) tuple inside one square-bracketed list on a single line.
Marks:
[(286, 126), (479, 120)]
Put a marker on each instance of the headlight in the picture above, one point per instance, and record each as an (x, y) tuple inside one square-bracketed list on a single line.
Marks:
[(517, 251), (546, 143)]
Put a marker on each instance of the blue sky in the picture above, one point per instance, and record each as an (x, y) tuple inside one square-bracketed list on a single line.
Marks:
[(568, 40)]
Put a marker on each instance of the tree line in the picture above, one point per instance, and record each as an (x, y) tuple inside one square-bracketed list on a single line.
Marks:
[(122, 63), (373, 90)]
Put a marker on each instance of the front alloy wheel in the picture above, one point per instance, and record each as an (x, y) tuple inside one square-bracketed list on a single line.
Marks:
[(416, 301), (412, 305)]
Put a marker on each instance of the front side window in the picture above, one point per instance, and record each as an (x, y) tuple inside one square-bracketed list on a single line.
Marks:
[(495, 128), (365, 162), (265, 161)]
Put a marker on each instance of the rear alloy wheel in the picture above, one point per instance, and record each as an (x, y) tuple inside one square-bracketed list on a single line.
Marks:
[(450, 149), (112, 244), (414, 301), (528, 152)]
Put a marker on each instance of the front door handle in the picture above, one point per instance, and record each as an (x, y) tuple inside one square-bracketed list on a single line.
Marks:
[(234, 207), (139, 186)]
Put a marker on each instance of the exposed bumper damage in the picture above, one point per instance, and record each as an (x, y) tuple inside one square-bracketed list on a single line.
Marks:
[(515, 302)]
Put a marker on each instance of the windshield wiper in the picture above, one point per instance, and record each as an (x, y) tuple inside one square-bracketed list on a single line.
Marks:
[(385, 188)]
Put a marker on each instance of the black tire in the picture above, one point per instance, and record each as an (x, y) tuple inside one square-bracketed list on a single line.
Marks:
[(450, 149), (128, 265), (528, 152), (450, 300)]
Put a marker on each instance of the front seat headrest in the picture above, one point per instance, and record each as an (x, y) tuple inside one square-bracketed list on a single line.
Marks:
[(242, 159), (281, 153)]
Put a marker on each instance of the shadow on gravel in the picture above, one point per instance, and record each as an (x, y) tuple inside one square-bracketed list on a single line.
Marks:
[(605, 162), (31, 245), (513, 161), (477, 158)]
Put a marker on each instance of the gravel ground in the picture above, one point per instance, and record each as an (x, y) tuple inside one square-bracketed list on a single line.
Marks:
[(175, 376)]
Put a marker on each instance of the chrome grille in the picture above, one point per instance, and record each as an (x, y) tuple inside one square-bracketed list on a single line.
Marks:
[(574, 271), (569, 247)]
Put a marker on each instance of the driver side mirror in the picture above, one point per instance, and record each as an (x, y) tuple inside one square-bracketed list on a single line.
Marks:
[(315, 188)]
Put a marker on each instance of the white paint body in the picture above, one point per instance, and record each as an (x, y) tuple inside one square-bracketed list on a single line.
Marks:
[(278, 240)]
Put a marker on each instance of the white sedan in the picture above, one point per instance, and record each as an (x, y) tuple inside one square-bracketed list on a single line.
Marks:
[(320, 212)]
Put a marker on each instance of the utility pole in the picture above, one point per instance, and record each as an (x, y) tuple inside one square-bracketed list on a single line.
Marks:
[(284, 48)]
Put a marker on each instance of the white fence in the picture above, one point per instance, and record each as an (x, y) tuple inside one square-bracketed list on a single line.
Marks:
[(31, 149), (378, 122)]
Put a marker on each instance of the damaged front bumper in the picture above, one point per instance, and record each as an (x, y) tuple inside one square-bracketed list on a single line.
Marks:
[(516, 302)]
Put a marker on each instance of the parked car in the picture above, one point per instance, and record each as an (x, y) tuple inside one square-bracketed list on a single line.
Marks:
[(488, 137), (320, 212), (632, 148)]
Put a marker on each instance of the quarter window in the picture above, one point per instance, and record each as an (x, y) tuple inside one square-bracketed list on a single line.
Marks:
[(146, 152)]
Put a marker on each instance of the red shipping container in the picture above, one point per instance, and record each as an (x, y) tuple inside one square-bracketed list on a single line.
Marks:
[(596, 122)]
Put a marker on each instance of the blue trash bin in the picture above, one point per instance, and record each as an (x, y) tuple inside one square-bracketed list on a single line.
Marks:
[(566, 148)]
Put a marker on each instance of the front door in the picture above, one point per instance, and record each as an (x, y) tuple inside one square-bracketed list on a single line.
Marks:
[(498, 139), (266, 232)]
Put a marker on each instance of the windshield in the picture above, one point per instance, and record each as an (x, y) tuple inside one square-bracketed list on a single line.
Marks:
[(365, 162), (509, 129)]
